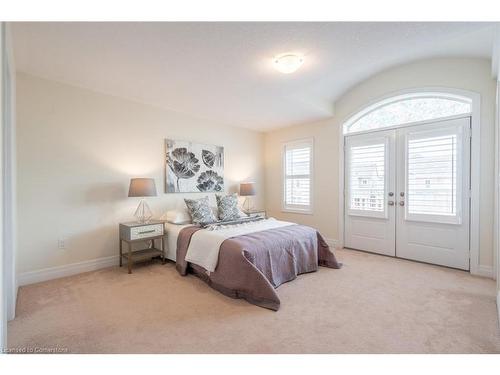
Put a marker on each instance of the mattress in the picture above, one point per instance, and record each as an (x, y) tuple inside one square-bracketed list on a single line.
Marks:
[(172, 231)]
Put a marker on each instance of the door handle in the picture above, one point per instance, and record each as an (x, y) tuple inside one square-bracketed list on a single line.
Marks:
[(402, 203), (391, 194), (390, 203)]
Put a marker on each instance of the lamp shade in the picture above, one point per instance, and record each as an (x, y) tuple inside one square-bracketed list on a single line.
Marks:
[(142, 187), (247, 189)]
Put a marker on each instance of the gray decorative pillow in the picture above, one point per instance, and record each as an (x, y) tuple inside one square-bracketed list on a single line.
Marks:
[(200, 211), (228, 207)]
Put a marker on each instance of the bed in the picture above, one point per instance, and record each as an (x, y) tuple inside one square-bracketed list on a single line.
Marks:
[(249, 260)]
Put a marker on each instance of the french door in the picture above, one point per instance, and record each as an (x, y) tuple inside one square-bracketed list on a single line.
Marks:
[(407, 192)]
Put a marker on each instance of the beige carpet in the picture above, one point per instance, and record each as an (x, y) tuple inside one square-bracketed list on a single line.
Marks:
[(374, 304)]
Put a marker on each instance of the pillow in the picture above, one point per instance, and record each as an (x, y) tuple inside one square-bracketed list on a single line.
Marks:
[(228, 207), (178, 217), (241, 213), (200, 211), (215, 211)]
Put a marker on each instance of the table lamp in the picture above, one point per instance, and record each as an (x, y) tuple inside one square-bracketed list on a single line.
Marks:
[(142, 187), (247, 189)]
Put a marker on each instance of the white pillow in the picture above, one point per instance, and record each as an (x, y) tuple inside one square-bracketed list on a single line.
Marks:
[(178, 217)]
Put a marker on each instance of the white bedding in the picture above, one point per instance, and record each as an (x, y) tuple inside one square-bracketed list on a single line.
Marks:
[(205, 244), (172, 234)]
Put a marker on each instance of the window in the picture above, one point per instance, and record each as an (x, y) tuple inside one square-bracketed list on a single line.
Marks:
[(367, 177), (432, 159), (405, 109), (434, 168), (297, 160)]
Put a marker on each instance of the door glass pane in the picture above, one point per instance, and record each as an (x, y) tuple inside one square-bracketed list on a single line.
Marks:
[(432, 175), (367, 177)]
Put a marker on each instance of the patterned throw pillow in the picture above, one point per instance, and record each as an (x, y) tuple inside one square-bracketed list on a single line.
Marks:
[(200, 211), (228, 207)]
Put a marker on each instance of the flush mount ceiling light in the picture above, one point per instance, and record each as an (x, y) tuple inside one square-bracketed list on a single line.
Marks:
[(288, 62)]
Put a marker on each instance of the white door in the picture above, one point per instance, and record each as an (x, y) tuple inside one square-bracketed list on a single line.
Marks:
[(433, 186), (370, 185), (407, 192)]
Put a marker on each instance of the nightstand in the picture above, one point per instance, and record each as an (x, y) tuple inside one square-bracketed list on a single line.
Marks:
[(134, 232), (256, 213)]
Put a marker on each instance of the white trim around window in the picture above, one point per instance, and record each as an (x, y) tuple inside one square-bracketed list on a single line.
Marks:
[(290, 206)]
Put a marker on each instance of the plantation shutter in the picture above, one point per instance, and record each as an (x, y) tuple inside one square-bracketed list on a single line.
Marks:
[(433, 168), (367, 177), (297, 175)]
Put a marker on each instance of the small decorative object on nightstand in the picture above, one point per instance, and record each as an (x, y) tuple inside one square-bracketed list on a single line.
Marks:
[(134, 232), (257, 213), (247, 189)]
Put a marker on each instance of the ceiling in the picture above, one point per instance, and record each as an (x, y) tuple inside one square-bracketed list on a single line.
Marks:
[(222, 72)]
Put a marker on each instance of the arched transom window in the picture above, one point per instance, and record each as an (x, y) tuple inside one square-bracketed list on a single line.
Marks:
[(409, 108)]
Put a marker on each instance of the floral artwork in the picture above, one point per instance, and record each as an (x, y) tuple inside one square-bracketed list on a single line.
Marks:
[(193, 167), (210, 181)]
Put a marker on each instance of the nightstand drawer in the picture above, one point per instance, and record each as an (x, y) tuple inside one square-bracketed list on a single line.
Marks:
[(146, 231)]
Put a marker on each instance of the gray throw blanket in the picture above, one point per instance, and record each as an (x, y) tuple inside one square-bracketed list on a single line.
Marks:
[(253, 265), (241, 220)]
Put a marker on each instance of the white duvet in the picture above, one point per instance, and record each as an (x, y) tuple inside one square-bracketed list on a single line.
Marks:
[(205, 244)]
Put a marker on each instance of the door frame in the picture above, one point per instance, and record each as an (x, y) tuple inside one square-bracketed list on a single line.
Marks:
[(9, 171), (475, 157)]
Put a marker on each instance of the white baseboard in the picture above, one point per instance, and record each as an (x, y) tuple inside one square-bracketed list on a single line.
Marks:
[(498, 307), (11, 312), (484, 271), (66, 270)]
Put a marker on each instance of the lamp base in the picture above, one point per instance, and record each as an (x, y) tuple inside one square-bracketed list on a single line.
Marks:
[(143, 212), (247, 206)]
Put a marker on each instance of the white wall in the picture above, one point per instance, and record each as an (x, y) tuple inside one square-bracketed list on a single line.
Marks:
[(467, 74), (76, 152)]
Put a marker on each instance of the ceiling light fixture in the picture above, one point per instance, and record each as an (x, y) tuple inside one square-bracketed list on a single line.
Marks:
[(288, 62)]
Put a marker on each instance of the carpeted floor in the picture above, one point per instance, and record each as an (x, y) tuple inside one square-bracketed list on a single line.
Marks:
[(374, 304)]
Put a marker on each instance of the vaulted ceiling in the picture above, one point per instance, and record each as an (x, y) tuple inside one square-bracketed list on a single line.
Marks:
[(223, 72)]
